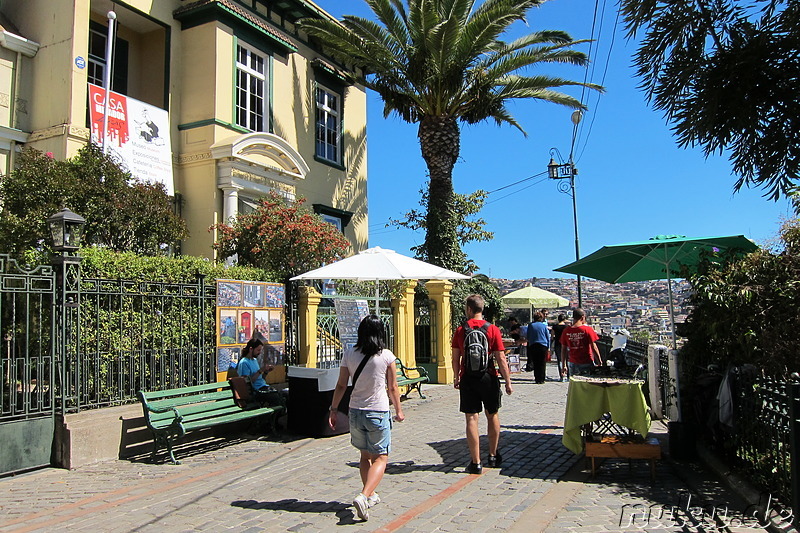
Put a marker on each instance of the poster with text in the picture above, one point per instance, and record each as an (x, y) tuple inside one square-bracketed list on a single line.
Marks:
[(136, 133)]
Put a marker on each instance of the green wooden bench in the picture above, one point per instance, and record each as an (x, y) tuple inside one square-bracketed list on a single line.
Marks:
[(404, 380), (170, 414)]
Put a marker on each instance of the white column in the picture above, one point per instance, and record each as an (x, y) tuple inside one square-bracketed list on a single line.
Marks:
[(230, 205)]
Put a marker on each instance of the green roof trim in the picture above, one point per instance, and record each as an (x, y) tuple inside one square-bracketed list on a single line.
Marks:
[(205, 11)]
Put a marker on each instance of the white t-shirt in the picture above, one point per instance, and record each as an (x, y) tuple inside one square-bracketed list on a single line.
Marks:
[(620, 339), (369, 392)]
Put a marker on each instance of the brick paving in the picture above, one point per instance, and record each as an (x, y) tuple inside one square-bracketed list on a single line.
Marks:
[(255, 483)]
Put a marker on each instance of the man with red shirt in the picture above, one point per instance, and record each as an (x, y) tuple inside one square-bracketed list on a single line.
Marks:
[(478, 392), (581, 342)]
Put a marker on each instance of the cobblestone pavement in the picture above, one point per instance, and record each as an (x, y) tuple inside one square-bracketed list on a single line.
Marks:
[(256, 483)]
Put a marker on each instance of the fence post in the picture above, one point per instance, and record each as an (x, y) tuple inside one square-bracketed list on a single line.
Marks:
[(403, 307), (68, 285), (794, 444), (307, 314), (439, 291)]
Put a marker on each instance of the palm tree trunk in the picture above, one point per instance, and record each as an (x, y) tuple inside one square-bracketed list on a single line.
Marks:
[(439, 139)]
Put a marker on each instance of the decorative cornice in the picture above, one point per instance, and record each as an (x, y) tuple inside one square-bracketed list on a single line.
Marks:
[(16, 43), (47, 133), (184, 159)]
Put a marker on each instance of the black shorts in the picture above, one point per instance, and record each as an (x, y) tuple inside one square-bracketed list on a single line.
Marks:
[(478, 393)]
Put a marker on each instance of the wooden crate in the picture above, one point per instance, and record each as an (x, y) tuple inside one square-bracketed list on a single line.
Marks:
[(625, 447)]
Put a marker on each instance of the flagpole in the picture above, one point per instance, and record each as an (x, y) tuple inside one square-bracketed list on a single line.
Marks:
[(112, 26)]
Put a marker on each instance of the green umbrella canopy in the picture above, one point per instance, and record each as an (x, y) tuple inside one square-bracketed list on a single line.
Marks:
[(658, 258), (531, 296)]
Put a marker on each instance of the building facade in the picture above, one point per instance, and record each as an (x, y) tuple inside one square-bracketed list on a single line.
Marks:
[(253, 105)]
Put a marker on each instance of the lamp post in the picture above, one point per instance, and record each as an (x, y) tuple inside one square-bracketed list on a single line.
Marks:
[(568, 171), (66, 230)]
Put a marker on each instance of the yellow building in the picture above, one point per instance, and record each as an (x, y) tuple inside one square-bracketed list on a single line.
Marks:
[(253, 105)]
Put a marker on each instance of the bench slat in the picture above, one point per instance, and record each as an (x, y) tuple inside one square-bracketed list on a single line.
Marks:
[(232, 417), (188, 400), (194, 389)]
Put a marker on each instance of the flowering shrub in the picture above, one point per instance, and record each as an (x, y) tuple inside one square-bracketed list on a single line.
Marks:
[(281, 236)]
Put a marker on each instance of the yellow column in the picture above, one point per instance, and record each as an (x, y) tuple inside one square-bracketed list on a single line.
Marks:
[(403, 313), (307, 313), (439, 292)]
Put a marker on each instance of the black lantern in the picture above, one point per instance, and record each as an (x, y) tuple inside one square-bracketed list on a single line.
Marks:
[(552, 169), (66, 230)]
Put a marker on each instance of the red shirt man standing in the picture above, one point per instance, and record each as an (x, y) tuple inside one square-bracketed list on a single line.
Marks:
[(581, 341)]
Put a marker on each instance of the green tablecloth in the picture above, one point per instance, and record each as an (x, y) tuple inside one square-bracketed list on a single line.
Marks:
[(588, 400)]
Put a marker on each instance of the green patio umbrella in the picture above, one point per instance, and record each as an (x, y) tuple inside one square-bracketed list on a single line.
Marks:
[(660, 257), (530, 297)]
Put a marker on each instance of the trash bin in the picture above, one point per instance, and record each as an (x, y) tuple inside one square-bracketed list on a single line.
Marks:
[(310, 396)]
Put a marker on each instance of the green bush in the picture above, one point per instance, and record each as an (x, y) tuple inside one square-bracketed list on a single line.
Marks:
[(744, 311)]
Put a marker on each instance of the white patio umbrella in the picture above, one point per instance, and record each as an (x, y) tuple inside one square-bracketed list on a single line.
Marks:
[(376, 264)]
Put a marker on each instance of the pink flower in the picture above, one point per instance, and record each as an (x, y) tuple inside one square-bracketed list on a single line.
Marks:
[(50, 155)]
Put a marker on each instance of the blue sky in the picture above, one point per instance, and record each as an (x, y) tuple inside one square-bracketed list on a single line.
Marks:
[(633, 183)]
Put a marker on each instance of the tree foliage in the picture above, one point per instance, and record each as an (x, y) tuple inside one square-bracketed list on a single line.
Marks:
[(727, 77), (468, 228), (439, 63), (744, 310), (122, 213), (281, 236), (479, 284)]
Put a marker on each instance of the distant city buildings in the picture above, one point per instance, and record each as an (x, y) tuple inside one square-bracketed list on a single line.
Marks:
[(641, 307)]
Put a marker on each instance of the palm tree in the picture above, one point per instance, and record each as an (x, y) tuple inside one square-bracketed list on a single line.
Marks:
[(438, 63)]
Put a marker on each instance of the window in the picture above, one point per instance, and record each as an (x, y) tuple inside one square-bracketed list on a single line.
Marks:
[(251, 89), (98, 37), (327, 128)]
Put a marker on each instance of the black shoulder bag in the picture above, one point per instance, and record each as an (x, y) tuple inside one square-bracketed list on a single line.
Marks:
[(344, 403)]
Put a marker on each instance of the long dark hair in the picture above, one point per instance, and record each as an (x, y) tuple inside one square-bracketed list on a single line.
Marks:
[(251, 344), (371, 335)]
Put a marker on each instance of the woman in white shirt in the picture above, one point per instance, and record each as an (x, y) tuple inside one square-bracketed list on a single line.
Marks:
[(369, 414)]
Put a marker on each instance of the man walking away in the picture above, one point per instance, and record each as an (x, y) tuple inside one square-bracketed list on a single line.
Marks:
[(581, 343), (538, 347), (477, 345)]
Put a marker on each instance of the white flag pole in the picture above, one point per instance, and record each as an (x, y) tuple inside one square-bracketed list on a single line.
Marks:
[(112, 26)]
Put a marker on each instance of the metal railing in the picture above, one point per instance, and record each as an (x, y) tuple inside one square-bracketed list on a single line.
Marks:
[(28, 366), (138, 335), (329, 347), (425, 331)]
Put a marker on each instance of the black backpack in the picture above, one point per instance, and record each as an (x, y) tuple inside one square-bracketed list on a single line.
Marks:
[(476, 349)]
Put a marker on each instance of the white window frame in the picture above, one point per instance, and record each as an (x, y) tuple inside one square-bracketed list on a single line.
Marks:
[(253, 120), (322, 147)]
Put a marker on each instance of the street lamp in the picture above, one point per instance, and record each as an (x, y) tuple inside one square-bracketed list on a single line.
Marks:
[(568, 171), (66, 230)]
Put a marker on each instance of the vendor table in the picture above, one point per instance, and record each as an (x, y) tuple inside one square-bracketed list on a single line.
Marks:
[(591, 399)]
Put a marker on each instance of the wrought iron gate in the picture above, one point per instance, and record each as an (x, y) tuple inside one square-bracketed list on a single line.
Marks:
[(29, 362)]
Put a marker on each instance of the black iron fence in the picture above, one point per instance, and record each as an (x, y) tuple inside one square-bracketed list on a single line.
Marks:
[(329, 347), (27, 298), (749, 424), (425, 331)]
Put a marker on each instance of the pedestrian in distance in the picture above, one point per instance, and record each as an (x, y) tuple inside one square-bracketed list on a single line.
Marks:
[(538, 347), (374, 373), (476, 347), (581, 343)]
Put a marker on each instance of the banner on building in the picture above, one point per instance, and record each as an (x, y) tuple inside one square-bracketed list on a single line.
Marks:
[(137, 134)]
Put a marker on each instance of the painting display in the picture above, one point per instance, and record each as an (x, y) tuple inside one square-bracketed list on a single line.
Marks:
[(243, 309)]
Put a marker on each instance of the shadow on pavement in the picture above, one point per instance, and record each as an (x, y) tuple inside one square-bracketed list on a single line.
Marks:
[(343, 511)]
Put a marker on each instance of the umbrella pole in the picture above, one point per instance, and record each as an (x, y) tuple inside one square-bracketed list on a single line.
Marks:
[(673, 359), (377, 298)]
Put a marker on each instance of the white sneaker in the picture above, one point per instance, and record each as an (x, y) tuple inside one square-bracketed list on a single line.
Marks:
[(374, 499), (362, 507)]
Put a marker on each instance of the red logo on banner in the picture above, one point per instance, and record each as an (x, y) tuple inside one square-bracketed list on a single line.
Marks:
[(117, 115)]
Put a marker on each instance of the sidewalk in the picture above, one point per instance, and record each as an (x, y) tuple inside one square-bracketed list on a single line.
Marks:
[(251, 483)]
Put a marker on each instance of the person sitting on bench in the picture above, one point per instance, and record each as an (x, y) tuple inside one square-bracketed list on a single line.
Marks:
[(251, 369)]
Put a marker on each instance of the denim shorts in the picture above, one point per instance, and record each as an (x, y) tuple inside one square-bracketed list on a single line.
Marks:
[(371, 431)]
